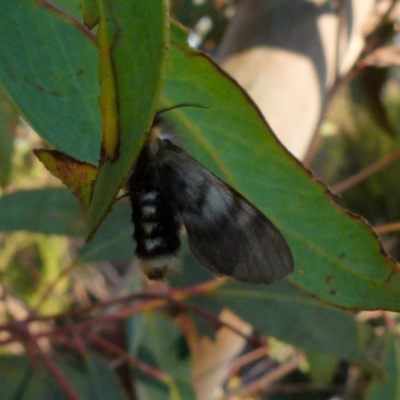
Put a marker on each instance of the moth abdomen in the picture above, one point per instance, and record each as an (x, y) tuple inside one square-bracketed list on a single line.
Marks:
[(157, 232)]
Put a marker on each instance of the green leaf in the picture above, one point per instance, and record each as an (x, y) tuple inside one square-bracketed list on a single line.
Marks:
[(104, 384), (388, 388), (337, 258), (113, 240), (135, 41), (169, 355), (92, 380), (57, 90), (291, 315), (54, 211), (49, 211), (284, 311), (15, 374)]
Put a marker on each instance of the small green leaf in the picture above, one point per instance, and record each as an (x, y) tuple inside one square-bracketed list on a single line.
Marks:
[(322, 367), (170, 356), (93, 380), (15, 374), (103, 382), (90, 13)]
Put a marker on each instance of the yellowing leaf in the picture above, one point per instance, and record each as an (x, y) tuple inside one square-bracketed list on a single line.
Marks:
[(77, 175)]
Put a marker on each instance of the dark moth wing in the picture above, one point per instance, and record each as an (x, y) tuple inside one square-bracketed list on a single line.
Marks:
[(227, 234)]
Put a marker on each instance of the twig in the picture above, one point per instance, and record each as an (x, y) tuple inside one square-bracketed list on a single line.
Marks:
[(216, 322), (178, 294), (147, 369), (258, 353), (387, 228), (155, 301), (366, 173), (59, 377)]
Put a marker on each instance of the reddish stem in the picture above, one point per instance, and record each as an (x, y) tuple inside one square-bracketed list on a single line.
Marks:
[(147, 369), (59, 377)]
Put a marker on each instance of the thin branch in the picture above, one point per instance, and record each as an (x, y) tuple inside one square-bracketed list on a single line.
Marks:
[(239, 363), (155, 301), (387, 228), (52, 367), (176, 294), (145, 368), (366, 173), (216, 322)]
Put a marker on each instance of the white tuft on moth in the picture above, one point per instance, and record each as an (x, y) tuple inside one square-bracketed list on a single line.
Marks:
[(227, 234)]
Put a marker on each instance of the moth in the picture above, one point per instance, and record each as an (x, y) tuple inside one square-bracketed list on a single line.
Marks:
[(228, 235)]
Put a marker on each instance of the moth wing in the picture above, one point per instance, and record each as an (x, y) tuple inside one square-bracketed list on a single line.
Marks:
[(227, 234)]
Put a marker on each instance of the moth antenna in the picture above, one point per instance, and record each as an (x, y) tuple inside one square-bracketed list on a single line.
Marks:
[(163, 110)]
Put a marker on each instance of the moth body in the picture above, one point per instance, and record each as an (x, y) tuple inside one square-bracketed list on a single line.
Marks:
[(154, 216), (227, 234)]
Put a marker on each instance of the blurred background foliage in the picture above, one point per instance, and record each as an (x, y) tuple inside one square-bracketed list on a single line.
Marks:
[(51, 274), (355, 137)]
